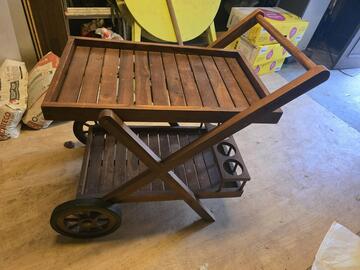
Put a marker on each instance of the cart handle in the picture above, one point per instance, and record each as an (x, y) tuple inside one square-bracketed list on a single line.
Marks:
[(251, 20)]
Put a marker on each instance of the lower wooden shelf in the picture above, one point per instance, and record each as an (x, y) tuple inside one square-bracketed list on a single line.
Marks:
[(215, 173)]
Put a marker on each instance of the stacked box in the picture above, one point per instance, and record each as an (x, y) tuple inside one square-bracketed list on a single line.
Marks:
[(259, 47), (265, 58)]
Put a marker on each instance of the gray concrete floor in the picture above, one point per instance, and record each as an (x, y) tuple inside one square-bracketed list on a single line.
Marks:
[(305, 175), (340, 94)]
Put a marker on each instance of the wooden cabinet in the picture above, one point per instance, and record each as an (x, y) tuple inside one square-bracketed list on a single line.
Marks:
[(47, 25)]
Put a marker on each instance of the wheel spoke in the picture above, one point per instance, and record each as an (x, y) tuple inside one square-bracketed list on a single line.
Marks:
[(72, 219), (73, 226), (102, 219)]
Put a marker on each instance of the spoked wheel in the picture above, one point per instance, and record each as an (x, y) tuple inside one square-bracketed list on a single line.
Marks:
[(85, 218), (81, 129)]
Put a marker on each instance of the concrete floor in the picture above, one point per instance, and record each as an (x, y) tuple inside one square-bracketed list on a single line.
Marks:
[(305, 174), (340, 94)]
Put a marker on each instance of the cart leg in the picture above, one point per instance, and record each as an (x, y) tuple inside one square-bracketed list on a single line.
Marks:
[(116, 127), (179, 187)]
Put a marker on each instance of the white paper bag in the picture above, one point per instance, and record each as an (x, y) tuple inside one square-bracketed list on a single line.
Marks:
[(39, 80), (340, 250), (13, 97)]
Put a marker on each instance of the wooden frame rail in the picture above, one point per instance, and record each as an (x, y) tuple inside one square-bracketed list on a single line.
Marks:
[(251, 20), (285, 94), (314, 76)]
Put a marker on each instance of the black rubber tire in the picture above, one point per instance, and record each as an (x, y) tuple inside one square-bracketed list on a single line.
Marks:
[(87, 212), (80, 132)]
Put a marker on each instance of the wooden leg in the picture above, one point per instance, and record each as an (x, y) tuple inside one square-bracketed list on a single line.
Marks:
[(179, 187), (135, 31), (116, 127)]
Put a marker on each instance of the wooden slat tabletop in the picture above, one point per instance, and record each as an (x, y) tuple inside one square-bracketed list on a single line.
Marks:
[(198, 84)]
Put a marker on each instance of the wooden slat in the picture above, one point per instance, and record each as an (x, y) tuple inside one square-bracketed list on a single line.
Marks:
[(120, 165), (176, 93), (164, 150), (206, 92), (145, 138), (201, 170), (126, 76), (231, 84), (61, 71), (142, 79), (91, 80), (107, 168), (220, 90), (109, 77), (72, 82), (94, 170), (212, 167), (242, 80), (191, 92), (189, 165), (158, 184), (132, 165), (159, 91), (85, 164), (175, 146)]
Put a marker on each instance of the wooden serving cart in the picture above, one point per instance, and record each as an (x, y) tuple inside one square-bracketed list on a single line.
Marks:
[(113, 82)]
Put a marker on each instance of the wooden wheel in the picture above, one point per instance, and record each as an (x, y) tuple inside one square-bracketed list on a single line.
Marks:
[(81, 129), (85, 218)]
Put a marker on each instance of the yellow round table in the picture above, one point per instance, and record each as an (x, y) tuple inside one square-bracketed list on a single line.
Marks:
[(193, 17)]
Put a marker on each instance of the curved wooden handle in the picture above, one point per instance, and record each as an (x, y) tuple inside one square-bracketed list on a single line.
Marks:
[(237, 30), (287, 44)]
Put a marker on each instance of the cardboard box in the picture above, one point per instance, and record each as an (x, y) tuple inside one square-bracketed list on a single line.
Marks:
[(263, 59), (269, 67), (290, 25), (260, 54)]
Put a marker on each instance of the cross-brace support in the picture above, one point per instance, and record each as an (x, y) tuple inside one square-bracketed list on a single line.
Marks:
[(158, 168), (117, 128)]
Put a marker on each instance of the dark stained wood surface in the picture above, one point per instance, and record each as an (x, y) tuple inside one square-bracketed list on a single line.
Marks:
[(71, 87), (126, 77), (91, 79), (243, 81), (202, 80), (158, 80), (175, 89), (109, 164), (109, 80), (197, 82), (188, 81), (217, 83), (236, 94), (142, 79)]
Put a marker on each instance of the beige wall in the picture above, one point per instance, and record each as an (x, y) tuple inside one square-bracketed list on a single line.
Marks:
[(26, 47), (8, 44), (15, 39)]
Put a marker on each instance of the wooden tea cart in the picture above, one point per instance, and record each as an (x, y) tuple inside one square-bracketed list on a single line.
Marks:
[(113, 82)]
